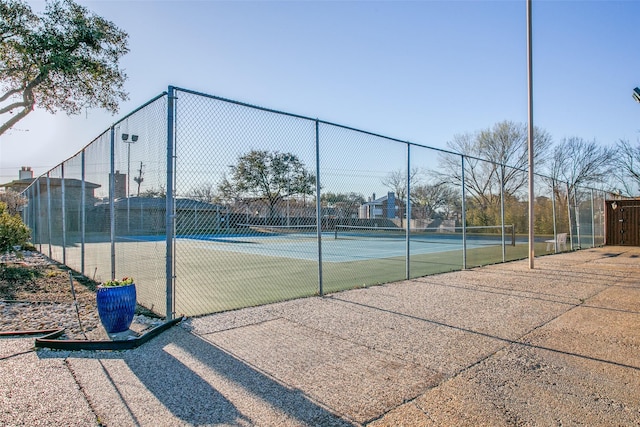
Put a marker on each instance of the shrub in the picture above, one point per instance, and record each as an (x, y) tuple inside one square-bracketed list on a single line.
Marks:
[(14, 201), (13, 231)]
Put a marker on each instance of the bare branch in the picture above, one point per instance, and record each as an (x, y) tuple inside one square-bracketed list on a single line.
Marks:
[(15, 119), (11, 93), (13, 106)]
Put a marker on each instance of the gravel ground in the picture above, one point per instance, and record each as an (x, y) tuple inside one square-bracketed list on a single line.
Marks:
[(500, 345), (40, 297)]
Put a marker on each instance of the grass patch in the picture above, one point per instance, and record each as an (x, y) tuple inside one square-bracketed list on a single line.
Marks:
[(18, 274)]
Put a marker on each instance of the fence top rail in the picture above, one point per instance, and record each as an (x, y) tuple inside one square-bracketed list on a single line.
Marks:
[(270, 110), (377, 135), (151, 101)]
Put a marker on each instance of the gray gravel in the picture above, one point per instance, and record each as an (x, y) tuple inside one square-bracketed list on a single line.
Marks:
[(500, 345), (57, 309)]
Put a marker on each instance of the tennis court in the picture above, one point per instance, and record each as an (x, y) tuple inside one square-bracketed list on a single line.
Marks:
[(218, 272), (347, 244)]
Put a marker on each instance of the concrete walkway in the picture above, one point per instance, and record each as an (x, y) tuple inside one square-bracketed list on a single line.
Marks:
[(499, 345)]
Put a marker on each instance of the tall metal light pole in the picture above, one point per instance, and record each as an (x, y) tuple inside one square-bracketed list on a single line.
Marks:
[(530, 141), (126, 140)]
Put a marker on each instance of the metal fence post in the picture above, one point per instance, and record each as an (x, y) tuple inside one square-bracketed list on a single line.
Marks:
[(38, 218), (407, 213), (169, 213), (569, 214), (24, 213), (27, 212), (577, 215), (83, 205), (601, 211), (553, 213), (464, 220), (593, 223), (319, 211), (112, 209), (504, 249), (49, 211), (63, 216)]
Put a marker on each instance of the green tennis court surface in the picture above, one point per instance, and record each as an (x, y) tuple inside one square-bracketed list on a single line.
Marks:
[(216, 273)]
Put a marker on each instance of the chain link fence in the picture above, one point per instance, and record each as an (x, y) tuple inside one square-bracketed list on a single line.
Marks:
[(213, 205)]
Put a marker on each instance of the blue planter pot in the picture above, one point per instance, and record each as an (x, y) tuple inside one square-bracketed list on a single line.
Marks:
[(116, 307)]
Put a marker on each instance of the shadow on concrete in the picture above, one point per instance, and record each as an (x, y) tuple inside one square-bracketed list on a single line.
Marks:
[(188, 386)]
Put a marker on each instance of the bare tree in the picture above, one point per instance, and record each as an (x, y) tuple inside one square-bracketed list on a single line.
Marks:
[(497, 158), (396, 181), (433, 198), (628, 166), (206, 192), (13, 200), (160, 193), (578, 162)]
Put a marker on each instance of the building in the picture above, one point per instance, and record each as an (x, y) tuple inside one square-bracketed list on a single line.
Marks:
[(382, 208), (51, 190)]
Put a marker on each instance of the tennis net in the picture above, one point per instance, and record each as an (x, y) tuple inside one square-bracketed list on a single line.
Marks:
[(280, 230), (481, 235)]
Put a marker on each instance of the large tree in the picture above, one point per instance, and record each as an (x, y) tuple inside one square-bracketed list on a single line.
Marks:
[(497, 157), (579, 162), (396, 181), (66, 59), (270, 176), (434, 198), (628, 167), (205, 192), (345, 204)]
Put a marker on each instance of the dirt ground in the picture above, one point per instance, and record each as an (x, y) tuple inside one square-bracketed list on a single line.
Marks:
[(36, 293)]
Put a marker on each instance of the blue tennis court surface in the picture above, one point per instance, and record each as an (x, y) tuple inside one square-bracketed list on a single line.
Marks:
[(333, 250), (305, 246)]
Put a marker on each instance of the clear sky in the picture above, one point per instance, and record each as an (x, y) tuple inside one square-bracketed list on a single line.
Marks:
[(421, 71)]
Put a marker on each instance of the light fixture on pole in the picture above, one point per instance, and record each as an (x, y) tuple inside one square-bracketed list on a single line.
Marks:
[(126, 140)]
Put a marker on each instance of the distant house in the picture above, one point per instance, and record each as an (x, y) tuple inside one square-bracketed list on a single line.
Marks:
[(147, 215), (25, 178), (384, 207), (132, 215), (51, 190), (72, 186)]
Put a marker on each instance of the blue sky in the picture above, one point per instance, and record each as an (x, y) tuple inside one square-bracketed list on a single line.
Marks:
[(421, 71)]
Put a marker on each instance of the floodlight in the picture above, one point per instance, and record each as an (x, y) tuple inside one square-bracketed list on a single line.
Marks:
[(134, 138), (125, 136), (636, 94)]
